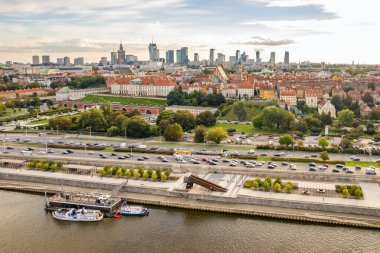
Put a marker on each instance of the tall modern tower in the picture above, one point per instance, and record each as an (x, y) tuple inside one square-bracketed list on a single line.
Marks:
[(121, 55), (66, 61), (170, 57), (258, 60), (212, 56), (153, 52), (113, 57), (221, 57), (45, 59), (286, 58), (237, 56), (184, 55), (196, 57), (178, 56), (36, 59), (79, 61), (272, 61)]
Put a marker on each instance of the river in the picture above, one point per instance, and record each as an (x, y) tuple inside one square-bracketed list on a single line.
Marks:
[(26, 227)]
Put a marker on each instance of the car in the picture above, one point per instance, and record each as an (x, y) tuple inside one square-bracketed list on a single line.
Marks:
[(90, 152), (196, 162), (70, 151), (113, 154), (212, 163), (205, 159), (42, 152), (164, 161), (249, 165), (121, 157), (259, 164), (345, 168), (28, 149), (128, 156), (65, 153), (140, 159), (356, 159), (264, 154), (243, 162), (145, 158), (101, 155), (321, 190), (270, 166), (314, 155), (10, 148), (349, 171), (312, 165), (225, 160), (293, 167), (232, 164), (154, 148), (370, 171), (250, 152), (284, 164), (339, 166), (312, 169), (357, 167), (336, 171), (326, 165), (181, 161), (104, 156), (51, 151), (322, 168), (305, 192)]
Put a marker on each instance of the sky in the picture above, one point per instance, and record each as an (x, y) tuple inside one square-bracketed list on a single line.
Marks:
[(333, 31)]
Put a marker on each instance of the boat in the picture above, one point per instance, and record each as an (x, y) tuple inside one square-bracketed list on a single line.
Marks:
[(82, 214), (128, 210)]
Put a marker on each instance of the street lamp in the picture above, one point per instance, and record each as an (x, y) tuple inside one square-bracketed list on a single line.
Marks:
[(90, 130), (125, 133)]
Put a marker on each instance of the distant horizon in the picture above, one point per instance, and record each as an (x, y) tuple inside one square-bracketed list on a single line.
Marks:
[(311, 30)]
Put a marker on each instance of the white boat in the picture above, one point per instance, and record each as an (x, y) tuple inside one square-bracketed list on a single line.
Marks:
[(73, 214), (128, 210)]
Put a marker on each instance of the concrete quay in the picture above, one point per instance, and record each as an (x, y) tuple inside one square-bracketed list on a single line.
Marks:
[(236, 201)]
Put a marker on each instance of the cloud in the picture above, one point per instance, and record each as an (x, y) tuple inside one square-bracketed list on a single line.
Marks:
[(260, 41)]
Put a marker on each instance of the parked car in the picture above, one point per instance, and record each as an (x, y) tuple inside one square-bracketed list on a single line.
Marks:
[(250, 152), (270, 166), (336, 171), (370, 171), (312, 169), (339, 166)]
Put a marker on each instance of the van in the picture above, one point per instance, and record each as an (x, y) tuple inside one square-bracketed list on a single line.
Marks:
[(142, 147), (370, 171), (123, 145), (26, 152)]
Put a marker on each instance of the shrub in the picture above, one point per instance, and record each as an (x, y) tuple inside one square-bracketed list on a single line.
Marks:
[(277, 187), (164, 177), (338, 188), (289, 187), (158, 172), (258, 180), (59, 165), (46, 166), (31, 164), (141, 171), (154, 176), (255, 185), (269, 180), (101, 172), (266, 185), (345, 193), (123, 170), (132, 171), (167, 173), (278, 181), (145, 175), (127, 173), (150, 172), (119, 173), (53, 167), (248, 184), (358, 193), (136, 174)]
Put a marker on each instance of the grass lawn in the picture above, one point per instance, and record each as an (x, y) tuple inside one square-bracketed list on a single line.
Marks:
[(38, 122), (362, 164), (126, 100), (247, 129), (264, 158)]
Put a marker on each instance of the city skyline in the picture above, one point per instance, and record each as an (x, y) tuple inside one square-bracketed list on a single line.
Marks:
[(313, 30)]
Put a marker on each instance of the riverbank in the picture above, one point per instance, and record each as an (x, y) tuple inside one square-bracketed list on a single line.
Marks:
[(209, 206)]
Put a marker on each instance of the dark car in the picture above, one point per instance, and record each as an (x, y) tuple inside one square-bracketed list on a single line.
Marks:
[(113, 154), (10, 148), (270, 166), (212, 163), (312, 169), (336, 171), (145, 158), (121, 157), (140, 159)]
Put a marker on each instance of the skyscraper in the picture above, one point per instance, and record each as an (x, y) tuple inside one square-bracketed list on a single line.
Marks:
[(154, 54), (66, 61), (237, 56), (121, 55), (45, 59), (196, 57), (59, 61), (258, 60), (79, 61), (113, 57), (129, 58), (178, 56), (170, 57), (184, 55), (103, 60), (36, 59), (272, 61), (286, 58), (221, 57), (212, 56)]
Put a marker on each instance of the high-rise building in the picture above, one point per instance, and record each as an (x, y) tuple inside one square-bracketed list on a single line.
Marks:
[(178, 56), (103, 61), (45, 59), (221, 57), (232, 58), (184, 55), (170, 57), (244, 57), (258, 60), (121, 55), (212, 56), (60, 61), (78, 61), (286, 58), (196, 57), (237, 55), (130, 58), (66, 61), (113, 57), (36, 60), (272, 61), (154, 53)]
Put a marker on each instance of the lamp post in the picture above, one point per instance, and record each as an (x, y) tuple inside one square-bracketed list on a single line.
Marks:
[(90, 130), (125, 133)]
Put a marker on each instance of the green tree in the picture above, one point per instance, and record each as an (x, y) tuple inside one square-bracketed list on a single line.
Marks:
[(60, 123), (59, 165), (266, 185), (150, 172), (154, 176), (216, 134), (286, 140), (346, 117), (240, 111), (53, 167), (345, 192), (255, 185), (273, 117), (324, 156), (278, 181), (101, 172), (372, 86), (164, 177), (145, 175), (346, 143), (185, 119), (2, 108), (119, 173), (113, 131), (200, 134), (158, 172), (173, 132), (93, 118), (127, 173), (289, 187), (167, 173), (206, 118), (138, 128), (358, 193), (165, 115), (136, 174), (323, 142)]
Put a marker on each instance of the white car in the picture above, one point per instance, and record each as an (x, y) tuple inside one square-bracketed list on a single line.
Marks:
[(250, 152), (42, 153), (293, 167), (249, 165), (90, 152)]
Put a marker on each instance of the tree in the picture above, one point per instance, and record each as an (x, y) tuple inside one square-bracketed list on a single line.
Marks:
[(138, 128), (200, 133), (145, 175), (266, 185), (164, 177), (185, 119), (127, 173), (255, 185), (119, 173), (273, 117), (173, 132), (158, 172), (113, 131), (206, 118), (277, 187), (167, 173), (2, 108), (53, 167), (137, 174), (60, 123), (346, 143), (154, 176), (358, 193), (368, 99), (324, 156), (326, 119), (93, 118), (101, 172), (345, 192), (286, 140), (216, 134), (239, 111), (278, 181), (346, 117), (165, 115), (150, 172), (371, 129), (323, 142), (289, 187)]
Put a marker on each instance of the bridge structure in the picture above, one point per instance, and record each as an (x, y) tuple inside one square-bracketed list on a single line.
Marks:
[(193, 179)]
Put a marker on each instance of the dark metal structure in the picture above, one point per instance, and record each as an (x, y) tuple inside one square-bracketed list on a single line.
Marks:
[(192, 179)]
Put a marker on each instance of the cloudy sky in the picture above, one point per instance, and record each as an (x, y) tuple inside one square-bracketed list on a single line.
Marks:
[(335, 31)]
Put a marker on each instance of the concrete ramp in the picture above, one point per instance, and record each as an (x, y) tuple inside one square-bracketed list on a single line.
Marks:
[(192, 179)]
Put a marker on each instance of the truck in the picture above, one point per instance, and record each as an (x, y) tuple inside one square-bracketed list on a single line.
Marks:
[(370, 171)]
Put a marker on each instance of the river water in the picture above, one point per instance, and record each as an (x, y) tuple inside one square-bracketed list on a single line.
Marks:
[(26, 227)]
